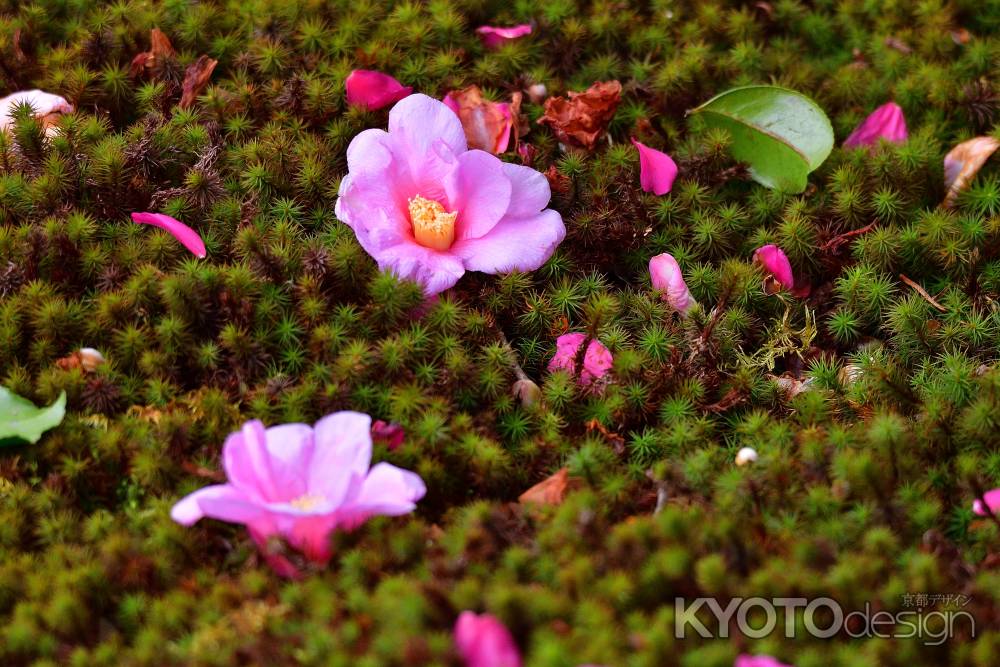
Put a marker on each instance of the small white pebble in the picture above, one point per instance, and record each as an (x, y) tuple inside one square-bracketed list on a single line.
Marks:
[(745, 456), (90, 358)]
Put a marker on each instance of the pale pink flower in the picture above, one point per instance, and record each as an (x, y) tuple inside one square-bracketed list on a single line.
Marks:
[(745, 660), (665, 274), (886, 122), (187, 236), (657, 170), (374, 90), (776, 263), (428, 209), (45, 105), (494, 37), (483, 641), (302, 483), (597, 360), (992, 503)]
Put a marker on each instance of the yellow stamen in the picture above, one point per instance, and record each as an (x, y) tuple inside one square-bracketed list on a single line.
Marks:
[(307, 501), (433, 227)]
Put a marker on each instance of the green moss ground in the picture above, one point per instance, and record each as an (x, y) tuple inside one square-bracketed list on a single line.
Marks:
[(864, 486)]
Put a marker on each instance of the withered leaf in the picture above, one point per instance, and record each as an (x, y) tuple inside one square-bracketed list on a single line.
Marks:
[(487, 124), (963, 162), (195, 79), (583, 118), (550, 491), (160, 49)]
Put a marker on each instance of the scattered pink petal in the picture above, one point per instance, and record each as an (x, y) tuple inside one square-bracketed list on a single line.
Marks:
[(992, 503), (776, 263), (47, 107), (483, 641), (487, 124), (597, 360), (392, 434), (657, 170), (886, 122), (666, 276), (428, 209), (963, 162), (758, 661), (494, 37), (187, 236), (301, 483), (374, 90)]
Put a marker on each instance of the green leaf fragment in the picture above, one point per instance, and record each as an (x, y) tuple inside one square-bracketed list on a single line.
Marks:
[(21, 420)]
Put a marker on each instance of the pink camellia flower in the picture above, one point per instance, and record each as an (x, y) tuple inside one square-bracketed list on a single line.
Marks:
[(657, 170), (302, 483), (886, 122), (494, 37), (775, 263), (46, 106), (374, 90), (745, 660), (428, 209), (992, 503), (597, 359), (483, 641), (666, 276), (187, 236)]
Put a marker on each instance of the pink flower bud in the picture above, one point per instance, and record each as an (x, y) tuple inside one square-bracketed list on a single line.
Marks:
[(483, 641), (776, 263), (666, 276), (657, 170), (886, 122)]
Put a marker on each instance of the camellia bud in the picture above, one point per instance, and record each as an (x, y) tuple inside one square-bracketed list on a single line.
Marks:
[(745, 456)]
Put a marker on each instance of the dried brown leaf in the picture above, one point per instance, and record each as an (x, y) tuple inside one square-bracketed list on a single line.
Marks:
[(583, 118), (487, 124), (195, 79), (963, 162), (160, 49), (550, 491)]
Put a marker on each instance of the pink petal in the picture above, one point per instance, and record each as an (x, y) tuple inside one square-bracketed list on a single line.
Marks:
[(745, 660), (417, 122), (493, 37), (657, 170), (374, 90), (521, 244), (221, 501), (886, 122), (247, 462), (597, 360), (776, 263), (387, 491), (566, 349), (992, 502), (187, 236), (666, 276), (342, 454), (530, 191), (480, 191), (483, 641), (434, 271), (389, 433)]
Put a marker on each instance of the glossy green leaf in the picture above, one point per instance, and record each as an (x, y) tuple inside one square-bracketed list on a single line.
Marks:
[(21, 420), (781, 134)]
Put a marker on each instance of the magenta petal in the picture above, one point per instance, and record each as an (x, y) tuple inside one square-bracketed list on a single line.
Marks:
[(374, 90), (776, 263), (665, 274), (597, 360), (657, 170), (483, 641), (992, 502), (886, 122), (493, 37), (745, 660), (187, 236)]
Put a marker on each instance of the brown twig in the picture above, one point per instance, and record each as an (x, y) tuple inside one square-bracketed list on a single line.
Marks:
[(837, 241), (922, 292)]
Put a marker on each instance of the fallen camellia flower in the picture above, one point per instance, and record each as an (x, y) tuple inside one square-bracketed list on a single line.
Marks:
[(428, 209), (494, 37), (46, 106), (597, 360), (777, 266), (657, 170), (487, 124), (583, 118), (483, 641), (992, 503), (187, 236), (373, 90), (963, 162), (745, 660), (195, 79), (665, 274), (886, 122), (302, 483)]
